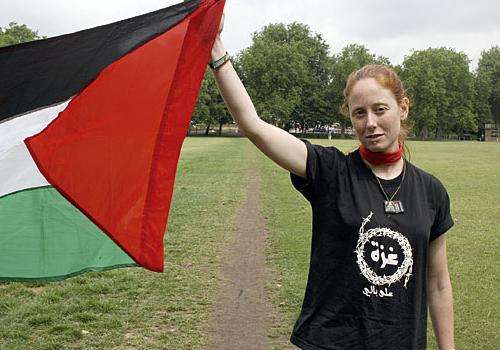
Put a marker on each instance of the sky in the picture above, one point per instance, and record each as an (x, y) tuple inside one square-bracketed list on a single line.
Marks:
[(390, 28)]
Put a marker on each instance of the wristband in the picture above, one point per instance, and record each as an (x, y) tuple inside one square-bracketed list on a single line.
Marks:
[(219, 62)]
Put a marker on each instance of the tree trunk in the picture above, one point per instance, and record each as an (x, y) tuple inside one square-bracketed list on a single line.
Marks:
[(220, 128), (207, 129)]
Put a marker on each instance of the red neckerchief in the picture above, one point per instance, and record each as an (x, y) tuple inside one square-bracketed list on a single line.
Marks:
[(378, 158)]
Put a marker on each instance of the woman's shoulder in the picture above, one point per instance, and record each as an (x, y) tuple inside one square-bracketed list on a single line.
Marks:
[(322, 148), (427, 179), (323, 164), (327, 154)]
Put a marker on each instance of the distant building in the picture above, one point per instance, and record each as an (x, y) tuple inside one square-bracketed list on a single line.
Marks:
[(489, 133)]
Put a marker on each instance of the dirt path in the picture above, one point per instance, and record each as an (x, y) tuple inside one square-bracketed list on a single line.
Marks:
[(242, 314)]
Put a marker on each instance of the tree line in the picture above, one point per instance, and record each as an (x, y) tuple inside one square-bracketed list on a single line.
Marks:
[(295, 82)]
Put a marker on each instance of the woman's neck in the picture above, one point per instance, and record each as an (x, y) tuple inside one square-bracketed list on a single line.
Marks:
[(386, 171), (385, 165)]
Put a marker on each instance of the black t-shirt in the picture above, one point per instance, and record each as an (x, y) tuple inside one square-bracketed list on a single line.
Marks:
[(367, 279)]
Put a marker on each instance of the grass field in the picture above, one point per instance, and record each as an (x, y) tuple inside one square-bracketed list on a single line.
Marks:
[(136, 309)]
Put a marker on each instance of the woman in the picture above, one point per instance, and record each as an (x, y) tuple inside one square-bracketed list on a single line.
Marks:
[(378, 245)]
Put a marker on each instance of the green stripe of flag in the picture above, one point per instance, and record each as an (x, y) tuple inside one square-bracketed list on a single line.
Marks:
[(44, 237)]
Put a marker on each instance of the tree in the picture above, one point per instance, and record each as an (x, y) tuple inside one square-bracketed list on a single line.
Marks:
[(442, 91), (488, 87), (352, 58), (286, 73), (210, 108), (16, 34)]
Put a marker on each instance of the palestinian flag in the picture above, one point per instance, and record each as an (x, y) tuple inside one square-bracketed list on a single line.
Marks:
[(91, 127)]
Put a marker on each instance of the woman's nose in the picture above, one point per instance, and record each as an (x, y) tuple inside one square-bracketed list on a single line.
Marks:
[(371, 120)]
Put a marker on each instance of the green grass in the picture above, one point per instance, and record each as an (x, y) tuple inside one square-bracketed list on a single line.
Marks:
[(134, 308), (137, 309), (471, 173)]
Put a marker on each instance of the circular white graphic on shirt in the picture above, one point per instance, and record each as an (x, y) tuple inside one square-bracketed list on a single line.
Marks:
[(396, 255)]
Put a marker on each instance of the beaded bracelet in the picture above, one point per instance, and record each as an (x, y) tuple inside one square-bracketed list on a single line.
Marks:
[(219, 62)]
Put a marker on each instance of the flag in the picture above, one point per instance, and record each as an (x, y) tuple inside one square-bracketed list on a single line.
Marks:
[(91, 127)]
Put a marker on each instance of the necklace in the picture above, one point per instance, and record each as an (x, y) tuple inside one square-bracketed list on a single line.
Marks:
[(391, 206)]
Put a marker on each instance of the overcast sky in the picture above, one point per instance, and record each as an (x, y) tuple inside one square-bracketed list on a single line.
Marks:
[(388, 28)]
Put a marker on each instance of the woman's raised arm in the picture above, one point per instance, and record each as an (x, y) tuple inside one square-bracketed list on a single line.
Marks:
[(281, 147)]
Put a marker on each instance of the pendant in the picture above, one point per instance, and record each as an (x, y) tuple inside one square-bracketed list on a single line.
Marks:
[(393, 207)]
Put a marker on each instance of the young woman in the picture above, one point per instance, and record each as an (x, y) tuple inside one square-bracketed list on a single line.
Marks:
[(378, 246)]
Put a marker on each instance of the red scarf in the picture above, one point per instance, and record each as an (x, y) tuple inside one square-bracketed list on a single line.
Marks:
[(378, 158)]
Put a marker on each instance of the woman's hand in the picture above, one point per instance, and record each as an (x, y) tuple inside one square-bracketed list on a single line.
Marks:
[(218, 49), (221, 25)]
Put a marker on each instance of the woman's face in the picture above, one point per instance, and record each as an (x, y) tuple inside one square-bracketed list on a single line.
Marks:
[(376, 115)]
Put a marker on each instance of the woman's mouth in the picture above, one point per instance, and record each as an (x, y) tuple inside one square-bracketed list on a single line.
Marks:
[(374, 136)]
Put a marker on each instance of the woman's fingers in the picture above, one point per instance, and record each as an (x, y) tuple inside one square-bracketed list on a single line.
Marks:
[(221, 25)]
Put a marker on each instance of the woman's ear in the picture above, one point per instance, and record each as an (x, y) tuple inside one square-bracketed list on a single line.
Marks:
[(404, 107)]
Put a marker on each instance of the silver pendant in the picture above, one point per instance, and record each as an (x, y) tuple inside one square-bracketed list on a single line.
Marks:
[(393, 207)]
